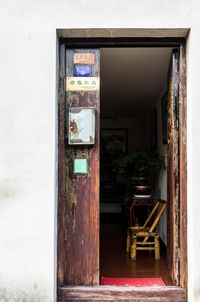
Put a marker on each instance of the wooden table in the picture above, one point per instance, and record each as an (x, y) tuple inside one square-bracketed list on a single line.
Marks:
[(139, 201)]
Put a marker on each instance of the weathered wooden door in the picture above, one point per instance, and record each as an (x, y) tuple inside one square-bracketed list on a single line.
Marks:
[(173, 197), (78, 194), (78, 203)]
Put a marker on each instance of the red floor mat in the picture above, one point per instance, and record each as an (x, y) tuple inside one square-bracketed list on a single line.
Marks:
[(132, 281)]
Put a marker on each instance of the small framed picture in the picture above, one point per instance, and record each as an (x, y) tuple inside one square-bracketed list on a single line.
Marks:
[(113, 141)]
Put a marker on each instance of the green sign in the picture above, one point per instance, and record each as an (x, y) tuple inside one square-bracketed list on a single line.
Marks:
[(80, 166)]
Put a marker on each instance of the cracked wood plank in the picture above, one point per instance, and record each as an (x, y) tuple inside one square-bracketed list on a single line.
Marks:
[(61, 214), (122, 293), (173, 197), (183, 167)]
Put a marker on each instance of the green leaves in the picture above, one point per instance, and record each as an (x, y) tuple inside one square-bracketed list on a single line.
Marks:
[(139, 164)]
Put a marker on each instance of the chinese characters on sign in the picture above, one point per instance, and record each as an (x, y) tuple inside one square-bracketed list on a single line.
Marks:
[(84, 58), (82, 84)]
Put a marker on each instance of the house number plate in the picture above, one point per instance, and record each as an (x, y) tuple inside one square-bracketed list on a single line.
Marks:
[(84, 58), (82, 84)]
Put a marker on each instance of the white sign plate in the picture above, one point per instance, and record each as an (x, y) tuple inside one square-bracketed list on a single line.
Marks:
[(82, 84)]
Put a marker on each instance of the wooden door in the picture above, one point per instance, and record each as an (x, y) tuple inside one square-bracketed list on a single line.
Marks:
[(173, 198), (78, 201), (78, 195)]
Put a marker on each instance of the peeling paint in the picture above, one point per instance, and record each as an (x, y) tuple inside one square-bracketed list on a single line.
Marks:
[(173, 174), (73, 127)]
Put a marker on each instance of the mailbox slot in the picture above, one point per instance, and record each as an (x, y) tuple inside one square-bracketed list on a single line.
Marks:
[(81, 126)]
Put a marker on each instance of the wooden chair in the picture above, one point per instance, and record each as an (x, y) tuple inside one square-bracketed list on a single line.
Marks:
[(148, 233)]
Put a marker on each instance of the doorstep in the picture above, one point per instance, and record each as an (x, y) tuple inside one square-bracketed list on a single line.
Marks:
[(122, 293)]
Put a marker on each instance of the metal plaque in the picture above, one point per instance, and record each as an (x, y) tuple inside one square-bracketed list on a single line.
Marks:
[(84, 58), (81, 126), (82, 84), (80, 166), (82, 71)]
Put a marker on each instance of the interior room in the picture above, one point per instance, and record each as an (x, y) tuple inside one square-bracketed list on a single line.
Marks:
[(133, 122)]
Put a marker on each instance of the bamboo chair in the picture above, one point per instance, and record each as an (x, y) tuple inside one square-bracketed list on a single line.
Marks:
[(148, 233)]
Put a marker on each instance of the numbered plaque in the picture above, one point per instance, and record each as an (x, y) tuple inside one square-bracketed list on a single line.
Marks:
[(84, 58)]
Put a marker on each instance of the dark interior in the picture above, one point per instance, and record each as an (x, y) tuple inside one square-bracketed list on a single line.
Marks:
[(133, 84)]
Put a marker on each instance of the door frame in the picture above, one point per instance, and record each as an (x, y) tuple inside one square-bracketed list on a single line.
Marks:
[(181, 182)]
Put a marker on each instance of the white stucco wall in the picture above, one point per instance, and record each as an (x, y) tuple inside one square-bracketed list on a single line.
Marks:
[(28, 128)]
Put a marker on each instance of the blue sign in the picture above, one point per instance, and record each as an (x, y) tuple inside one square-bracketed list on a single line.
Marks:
[(82, 71)]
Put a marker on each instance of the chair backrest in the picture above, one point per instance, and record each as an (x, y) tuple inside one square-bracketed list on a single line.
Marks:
[(161, 205)]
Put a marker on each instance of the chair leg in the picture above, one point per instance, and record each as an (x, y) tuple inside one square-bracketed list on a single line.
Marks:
[(133, 247), (157, 247), (128, 240)]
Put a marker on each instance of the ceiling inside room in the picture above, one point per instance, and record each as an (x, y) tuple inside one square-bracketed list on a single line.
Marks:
[(131, 79)]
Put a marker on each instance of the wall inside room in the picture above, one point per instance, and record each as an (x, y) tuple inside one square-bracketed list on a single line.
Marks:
[(137, 131), (161, 186)]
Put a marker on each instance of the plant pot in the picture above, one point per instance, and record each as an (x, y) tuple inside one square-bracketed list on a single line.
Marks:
[(142, 190)]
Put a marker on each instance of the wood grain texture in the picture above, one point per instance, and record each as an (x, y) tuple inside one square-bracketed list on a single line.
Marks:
[(122, 42), (173, 171), (122, 293), (61, 170), (82, 192), (183, 167)]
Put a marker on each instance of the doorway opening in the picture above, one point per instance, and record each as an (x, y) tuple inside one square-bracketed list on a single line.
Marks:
[(134, 85), (78, 194)]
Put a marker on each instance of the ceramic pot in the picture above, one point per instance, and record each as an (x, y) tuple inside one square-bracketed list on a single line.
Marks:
[(142, 190)]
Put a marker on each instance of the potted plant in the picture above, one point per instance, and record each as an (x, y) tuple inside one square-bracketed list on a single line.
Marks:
[(140, 169)]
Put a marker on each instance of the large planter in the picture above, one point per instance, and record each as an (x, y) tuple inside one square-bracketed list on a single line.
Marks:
[(142, 190)]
